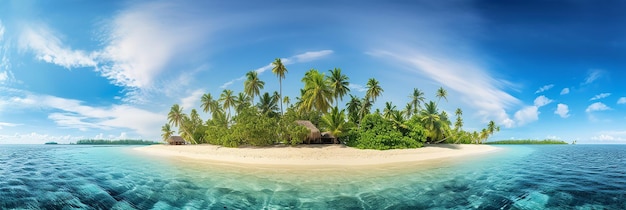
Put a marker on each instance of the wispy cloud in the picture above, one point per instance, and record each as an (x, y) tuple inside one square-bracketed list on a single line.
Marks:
[(47, 47), (562, 110), (597, 106), (463, 77), (70, 113), (37, 138), (621, 100), (544, 88), (357, 87), (593, 76), (6, 124), (190, 102), (600, 96), (565, 91), (299, 58)]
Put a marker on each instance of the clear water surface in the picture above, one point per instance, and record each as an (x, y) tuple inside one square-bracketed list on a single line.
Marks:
[(117, 177)]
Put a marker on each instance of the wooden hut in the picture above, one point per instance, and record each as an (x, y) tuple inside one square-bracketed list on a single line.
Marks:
[(176, 140), (328, 138), (314, 134)]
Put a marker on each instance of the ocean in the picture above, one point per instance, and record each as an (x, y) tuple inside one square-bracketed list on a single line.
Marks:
[(118, 177)]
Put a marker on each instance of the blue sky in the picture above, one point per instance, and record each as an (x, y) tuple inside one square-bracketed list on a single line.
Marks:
[(112, 69)]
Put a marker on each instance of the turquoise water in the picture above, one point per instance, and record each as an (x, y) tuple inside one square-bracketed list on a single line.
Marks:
[(518, 177)]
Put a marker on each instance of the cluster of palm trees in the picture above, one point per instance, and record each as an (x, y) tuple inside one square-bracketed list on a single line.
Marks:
[(321, 96)]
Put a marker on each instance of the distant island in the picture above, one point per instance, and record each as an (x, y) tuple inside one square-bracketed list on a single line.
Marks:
[(528, 141), (114, 142), (51, 142)]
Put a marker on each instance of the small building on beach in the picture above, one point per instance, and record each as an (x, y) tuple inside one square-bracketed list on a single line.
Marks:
[(314, 133), (328, 138), (176, 140)]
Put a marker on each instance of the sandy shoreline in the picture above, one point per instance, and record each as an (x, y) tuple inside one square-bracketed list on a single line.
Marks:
[(314, 155)]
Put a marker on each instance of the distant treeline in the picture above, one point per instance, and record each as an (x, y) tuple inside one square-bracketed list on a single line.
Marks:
[(528, 141), (123, 141)]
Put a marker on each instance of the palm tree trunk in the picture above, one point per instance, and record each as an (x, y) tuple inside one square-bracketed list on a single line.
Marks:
[(280, 83)]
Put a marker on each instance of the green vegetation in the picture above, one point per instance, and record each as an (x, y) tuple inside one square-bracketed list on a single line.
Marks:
[(528, 141), (115, 142), (257, 118)]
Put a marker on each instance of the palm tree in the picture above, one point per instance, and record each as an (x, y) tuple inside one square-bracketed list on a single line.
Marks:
[(253, 85), (207, 102), (339, 84), (435, 123), (491, 127), (268, 105), (366, 106), (408, 110), (417, 98), (459, 121), (167, 131), (484, 135), (389, 109), (228, 101), (280, 70), (195, 117), (353, 106), (175, 116), (334, 121), (442, 93), (241, 101), (287, 101), (317, 92), (373, 90)]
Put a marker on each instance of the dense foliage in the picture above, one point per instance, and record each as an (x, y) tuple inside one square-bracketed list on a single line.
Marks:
[(116, 142), (527, 141), (377, 132), (259, 119)]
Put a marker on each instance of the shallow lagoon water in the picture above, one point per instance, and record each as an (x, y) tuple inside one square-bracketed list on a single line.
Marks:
[(517, 177)]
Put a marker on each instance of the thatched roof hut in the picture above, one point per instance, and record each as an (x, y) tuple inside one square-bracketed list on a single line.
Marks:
[(176, 140), (314, 134), (328, 138)]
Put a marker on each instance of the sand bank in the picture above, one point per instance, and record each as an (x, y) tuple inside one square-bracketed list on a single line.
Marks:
[(314, 155)]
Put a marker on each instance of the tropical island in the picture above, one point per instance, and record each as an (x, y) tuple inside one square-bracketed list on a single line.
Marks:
[(254, 119)]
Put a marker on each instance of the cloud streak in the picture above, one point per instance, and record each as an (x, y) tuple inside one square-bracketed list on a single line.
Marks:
[(600, 96), (463, 77), (544, 88), (598, 106), (70, 113), (299, 58)]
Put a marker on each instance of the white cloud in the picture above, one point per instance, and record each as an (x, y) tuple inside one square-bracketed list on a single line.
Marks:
[(598, 106), (143, 39), (592, 76), (562, 110), (553, 137), (604, 137), (600, 96), (47, 47), (466, 78), (3, 76), (37, 138), (70, 113), (527, 115), (565, 91), (299, 58), (542, 101), (357, 87), (6, 124), (190, 101), (544, 88), (621, 100), (310, 56)]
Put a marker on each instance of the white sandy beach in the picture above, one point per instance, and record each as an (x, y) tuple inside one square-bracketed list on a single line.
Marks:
[(314, 155)]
